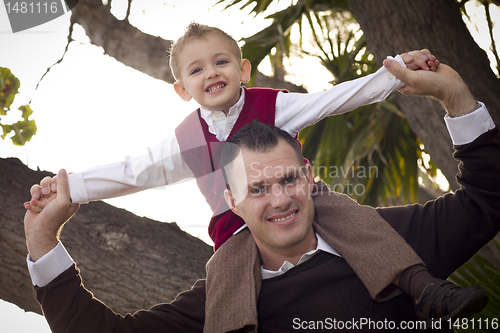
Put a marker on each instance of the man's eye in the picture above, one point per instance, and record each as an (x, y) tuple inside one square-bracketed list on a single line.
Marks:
[(256, 191), (196, 70), (222, 62)]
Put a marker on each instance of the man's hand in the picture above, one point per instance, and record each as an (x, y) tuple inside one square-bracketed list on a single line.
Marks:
[(42, 228), (444, 84)]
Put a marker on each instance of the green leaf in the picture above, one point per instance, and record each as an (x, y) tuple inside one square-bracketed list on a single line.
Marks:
[(26, 110), (24, 132), (480, 271), (258, 46), (9, 87), (6, 130)]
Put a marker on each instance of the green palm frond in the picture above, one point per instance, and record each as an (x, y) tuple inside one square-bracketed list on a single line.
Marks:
[(368, 153), (258, 46), (479, 271), (261, 6), (371, 153)]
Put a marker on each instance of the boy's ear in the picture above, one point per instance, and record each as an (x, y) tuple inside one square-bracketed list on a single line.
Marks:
[(246, 69), (231, 202), (182, 92)]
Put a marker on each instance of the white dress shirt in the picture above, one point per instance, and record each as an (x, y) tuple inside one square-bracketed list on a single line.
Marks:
[(463, 129), (322, 246), (163, 164)]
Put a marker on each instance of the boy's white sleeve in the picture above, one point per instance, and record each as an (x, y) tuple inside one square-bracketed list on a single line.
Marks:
[(158, 166), (294, 111)]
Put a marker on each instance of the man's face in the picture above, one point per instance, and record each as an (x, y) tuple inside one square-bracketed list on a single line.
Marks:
[(211, 73), (271, 192)]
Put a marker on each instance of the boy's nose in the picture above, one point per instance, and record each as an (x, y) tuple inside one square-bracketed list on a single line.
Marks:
[(212, 72)]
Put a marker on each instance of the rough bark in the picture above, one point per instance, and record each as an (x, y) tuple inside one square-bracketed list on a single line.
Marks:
[(136, 49), (128, 262), (131, 262), (392, 27)]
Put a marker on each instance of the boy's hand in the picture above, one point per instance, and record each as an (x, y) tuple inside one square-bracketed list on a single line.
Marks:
[(445, 84), (41, 194), (42, 228), (423, 59)]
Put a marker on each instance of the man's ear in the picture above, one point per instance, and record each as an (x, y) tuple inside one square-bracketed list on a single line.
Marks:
[(246, 69), (309, 175), (181, 91), (231, 202)]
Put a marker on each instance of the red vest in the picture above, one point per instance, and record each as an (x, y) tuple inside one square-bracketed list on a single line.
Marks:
[(201, 151)]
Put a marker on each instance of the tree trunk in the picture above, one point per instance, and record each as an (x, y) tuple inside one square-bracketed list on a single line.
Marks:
[(131, 262), (136, 49), (391, 27), (128, 262)]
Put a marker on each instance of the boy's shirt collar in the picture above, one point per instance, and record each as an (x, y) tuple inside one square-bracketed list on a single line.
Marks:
[(218, 123)]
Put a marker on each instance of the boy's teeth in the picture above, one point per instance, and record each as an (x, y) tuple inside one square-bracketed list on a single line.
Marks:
[(283, 218), (216, 88)]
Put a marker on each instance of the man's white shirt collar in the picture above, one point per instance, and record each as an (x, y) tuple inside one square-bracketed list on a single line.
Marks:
[(322, 246)]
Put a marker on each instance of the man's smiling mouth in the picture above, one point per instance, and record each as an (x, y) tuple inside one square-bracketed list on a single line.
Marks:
[(283, 218)]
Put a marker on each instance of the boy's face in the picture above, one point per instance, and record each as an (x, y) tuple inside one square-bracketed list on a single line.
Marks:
[(211, 73)]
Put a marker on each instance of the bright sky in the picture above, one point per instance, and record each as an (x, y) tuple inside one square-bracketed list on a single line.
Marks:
[(91, 110)]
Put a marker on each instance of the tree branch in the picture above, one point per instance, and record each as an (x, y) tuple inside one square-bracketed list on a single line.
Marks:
[(129, 262), (136, 49), (70, 39)]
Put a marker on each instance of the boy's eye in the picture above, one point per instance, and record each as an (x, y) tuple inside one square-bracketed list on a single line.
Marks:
[(222, 62), (194, 71), (289, 180)]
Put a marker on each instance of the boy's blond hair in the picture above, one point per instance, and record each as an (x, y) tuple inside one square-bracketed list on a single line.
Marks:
[(197, 31)]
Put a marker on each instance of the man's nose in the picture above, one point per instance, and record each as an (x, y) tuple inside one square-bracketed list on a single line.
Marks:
[(279, 197)]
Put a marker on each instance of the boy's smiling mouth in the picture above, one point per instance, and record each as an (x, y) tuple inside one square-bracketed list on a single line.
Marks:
[(215, 87)]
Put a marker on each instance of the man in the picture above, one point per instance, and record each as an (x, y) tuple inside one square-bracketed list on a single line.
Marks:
[(321, 291)]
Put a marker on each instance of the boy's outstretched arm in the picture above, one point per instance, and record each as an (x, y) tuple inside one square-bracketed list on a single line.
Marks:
[(295, 111)]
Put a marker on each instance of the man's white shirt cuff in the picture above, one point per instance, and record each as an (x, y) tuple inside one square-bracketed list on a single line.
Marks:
[(50, 266), (465, 129)]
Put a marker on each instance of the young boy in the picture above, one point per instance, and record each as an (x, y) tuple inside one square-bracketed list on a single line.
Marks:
[(208, 66)]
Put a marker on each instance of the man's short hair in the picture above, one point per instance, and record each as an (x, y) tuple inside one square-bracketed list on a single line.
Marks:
[(256, 137), (197, 31)]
